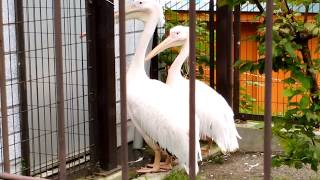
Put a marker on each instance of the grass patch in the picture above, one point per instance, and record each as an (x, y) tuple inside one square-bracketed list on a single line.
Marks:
[(216, 159), (132, 174), (178, 175)]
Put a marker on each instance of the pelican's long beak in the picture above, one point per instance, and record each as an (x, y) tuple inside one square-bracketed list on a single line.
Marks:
[(166, 44)]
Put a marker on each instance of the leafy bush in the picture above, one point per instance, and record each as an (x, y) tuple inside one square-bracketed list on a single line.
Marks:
[(167, 57), (292, 31)]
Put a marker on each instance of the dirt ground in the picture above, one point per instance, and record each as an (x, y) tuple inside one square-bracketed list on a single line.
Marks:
[(249, 166), (237, 166)]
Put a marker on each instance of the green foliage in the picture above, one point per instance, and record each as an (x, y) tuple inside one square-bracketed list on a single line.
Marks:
[(291, 54), (202, 44), (246, 103), (178, 175), (216, 159)]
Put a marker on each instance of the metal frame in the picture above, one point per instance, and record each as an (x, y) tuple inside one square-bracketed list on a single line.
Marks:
[(102, 122), (212, 45), (3, 91), (123, 90), (102, 84), (154, 65), (17, 177), (60, 90), (23, 97), (224, 70), (268, 91), (192, 86), (236, 47)]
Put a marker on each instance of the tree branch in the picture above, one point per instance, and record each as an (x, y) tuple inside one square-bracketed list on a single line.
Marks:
[(287, 6), (306, 14), (259, 6), (306, 56)]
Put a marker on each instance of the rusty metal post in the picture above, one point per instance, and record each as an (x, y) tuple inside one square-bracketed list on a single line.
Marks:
[(3, 92), (123, 90), (154, 66), (17, 177), (192, 61), (23, 99), (236, 47), (212, 43), (268, 95), (102, 83), (224, 52), (92, 81), (60, 93)]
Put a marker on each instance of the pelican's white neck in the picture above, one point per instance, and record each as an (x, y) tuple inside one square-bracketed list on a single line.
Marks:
[(137, 64), (175, 68)]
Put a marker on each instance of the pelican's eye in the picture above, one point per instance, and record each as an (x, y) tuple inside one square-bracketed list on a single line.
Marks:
[(140, 2)]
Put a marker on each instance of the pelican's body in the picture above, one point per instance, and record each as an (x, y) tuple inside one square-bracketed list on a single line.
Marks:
[(158, 113), (216, 116)]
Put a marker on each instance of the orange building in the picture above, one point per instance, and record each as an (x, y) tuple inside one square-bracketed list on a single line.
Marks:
[(253, 83)]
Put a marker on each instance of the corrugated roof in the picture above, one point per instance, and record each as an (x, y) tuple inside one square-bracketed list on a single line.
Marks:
[(203, 5)]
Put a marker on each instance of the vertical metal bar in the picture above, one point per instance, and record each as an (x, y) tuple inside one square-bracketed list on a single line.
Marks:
[(3, 91), (192, 61), (92, 81), (224, 66), (154, 66), (123, 90), (17, 177), (268, 90), (212, 43), (23, 99), (236, 46), (102, 83), (60, 89)]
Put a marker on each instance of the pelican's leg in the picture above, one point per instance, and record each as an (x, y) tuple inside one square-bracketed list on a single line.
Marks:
[(167, 165), (157, 153), (156, 164)]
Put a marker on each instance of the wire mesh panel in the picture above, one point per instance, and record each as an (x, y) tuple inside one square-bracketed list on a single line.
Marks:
[(11, 74), (31, 84)]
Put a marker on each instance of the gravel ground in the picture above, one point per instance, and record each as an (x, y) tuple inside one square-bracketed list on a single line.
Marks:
[(236, 166), (249, 166)]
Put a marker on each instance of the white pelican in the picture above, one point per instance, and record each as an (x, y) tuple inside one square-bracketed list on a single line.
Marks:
[(216, 116), (157, 111)]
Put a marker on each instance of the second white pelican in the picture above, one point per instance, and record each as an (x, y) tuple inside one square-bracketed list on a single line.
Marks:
[(216, 116)]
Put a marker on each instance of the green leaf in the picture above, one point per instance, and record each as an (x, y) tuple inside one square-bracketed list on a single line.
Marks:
[(290, 49), (288, 92), (310, 26), (304, 101), (304, 80), (316, 154), (289, 81), (238, 63), (246, 67)]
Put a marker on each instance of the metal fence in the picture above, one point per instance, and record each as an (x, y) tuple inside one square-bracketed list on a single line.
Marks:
[(45, 83), (56, 84), (223, 72)]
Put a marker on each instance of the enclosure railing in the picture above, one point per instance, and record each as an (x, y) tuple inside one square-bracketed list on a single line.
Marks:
[(124, 148), (48, 33)]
